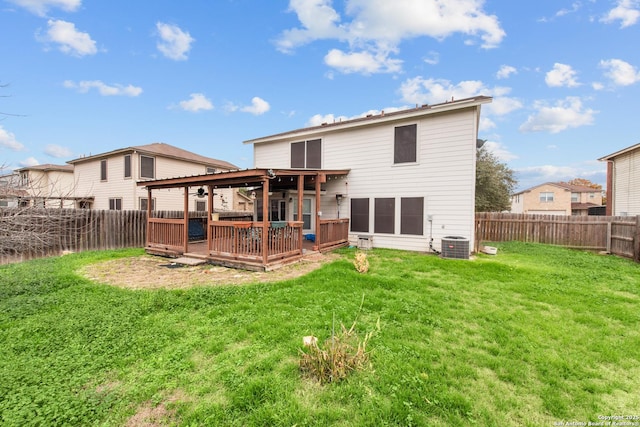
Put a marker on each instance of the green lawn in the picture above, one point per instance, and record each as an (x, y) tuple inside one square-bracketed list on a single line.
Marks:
[(533, 336)]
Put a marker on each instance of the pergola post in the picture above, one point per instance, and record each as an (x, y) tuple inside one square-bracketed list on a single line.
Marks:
[(148, 217), (299, 201), (265, 221), (185, 235), (319, 180)]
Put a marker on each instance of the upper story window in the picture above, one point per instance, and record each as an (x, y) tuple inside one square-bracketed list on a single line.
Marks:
[(210, 170), (103, 170), (546, 196), (575, 197), (24, 178), (306, 154), (592, 195), (127, 166), (405, 144), (147, 167)]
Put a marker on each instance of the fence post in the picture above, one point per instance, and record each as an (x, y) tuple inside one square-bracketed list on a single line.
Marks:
[(636, 240)]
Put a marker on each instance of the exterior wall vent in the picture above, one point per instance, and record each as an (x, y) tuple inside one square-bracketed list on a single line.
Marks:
[(365, 242), (456, 247)]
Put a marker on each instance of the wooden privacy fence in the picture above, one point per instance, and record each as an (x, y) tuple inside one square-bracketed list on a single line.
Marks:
[(619, 235), (27, 233)]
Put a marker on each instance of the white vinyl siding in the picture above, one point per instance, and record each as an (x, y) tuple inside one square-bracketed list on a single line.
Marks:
[(444, 173), (626, 192)]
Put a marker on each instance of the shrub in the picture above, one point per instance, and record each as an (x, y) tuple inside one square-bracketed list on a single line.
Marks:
[(340, 355), (361, 262)]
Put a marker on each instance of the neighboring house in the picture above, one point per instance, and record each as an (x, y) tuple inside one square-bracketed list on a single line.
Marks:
[(9, 191), (45, 186), (109, 180), (556, 198), (411, 174), (623, 175)]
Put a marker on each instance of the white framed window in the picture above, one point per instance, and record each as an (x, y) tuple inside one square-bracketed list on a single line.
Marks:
[(127, 166), (144, 203), (115, 204), (546, 196), (575, 197), (103, 170)]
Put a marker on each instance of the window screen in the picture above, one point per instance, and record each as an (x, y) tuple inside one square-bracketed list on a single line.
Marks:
[(360, 215), (297, 154), (412, 215), (314, 154), (147, 166), (384, 217), (404, 150)]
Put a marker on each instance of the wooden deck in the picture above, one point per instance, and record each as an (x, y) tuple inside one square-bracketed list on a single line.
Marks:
[(244, 244)]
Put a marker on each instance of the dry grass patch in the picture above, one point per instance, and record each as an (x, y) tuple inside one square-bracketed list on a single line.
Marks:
[(150, 272)]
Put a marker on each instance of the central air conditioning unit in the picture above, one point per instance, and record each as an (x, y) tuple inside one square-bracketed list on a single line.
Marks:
[(455, 247), (365, 242)]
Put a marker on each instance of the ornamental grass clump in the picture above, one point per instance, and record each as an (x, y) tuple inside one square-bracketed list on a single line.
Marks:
[(361, 262), (343, 353)]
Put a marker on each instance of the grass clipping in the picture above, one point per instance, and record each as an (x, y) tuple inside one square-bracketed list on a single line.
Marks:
[(343, 353)]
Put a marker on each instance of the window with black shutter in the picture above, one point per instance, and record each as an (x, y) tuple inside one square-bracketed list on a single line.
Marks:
[(103, 170), (405, 147), (360, 215), (412, 215), (147, 167), (127, 166), (384, 216)]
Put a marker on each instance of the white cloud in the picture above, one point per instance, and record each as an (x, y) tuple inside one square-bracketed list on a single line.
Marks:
[(500, 151), (41, 7), (377, 27), (70, 40), (506, 71), (435, 91), (565, 114), (174, 43), (197, 102), (561, 75), (626, 11), (621, 73), (57, 151), (8, 140), (362, 62), (105, 90), (29, 161), (258, 106), (433, 58)]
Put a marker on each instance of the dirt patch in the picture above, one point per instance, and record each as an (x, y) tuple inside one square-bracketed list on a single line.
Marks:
[(153, 272), (148, 415)]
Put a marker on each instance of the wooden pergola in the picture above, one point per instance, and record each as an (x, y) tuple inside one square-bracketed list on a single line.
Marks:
[(257, 245)]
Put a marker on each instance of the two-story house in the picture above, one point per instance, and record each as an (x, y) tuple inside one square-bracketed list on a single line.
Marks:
[(556, 198), (109, 180), (623, 173), (45, 186)]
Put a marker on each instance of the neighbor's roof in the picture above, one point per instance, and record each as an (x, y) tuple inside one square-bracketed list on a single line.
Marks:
[(563, 185), (617, 153), (48, 167), (164, 150), (378, 118)]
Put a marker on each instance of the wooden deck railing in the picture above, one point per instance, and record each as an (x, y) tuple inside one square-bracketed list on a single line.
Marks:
[(333, 232), (164, 233), (243, 240)]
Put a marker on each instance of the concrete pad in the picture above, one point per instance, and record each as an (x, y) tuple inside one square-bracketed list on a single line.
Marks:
[(190, 261)]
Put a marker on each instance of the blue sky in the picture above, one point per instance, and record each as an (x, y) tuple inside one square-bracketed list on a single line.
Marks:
[(85, 77)]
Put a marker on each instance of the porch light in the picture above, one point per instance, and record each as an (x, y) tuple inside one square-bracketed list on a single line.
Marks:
[(338, 198)]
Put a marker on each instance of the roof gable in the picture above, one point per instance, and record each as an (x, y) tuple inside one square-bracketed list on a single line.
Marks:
[(620, 152), (371, 120), (163, 150)]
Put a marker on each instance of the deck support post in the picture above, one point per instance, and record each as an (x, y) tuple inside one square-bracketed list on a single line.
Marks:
[(209, 215), (299, 201), (320, 178), (185, 234), (149, 199), (265, 221)]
